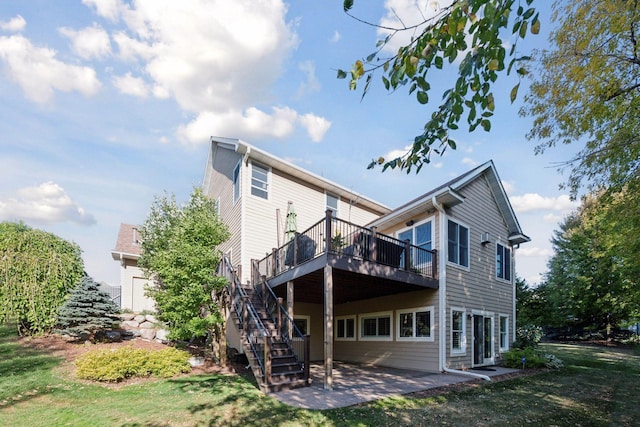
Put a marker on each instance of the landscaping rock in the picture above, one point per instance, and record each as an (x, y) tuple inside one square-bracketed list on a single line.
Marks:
[(129, 324), (127, 316), (113, 336), (146, 325), (147, 334), (151, 318), (196, 361), (161, 334), (139, 318)]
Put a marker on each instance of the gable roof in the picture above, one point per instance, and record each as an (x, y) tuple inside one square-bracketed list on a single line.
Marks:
[(249, 151), (128, 243), (447, 195)]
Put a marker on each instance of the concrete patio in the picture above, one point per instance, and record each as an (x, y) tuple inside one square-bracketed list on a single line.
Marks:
[(355, 383)]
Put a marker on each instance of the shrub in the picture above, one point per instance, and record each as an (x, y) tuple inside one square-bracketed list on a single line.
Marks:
[(126, 362), (528, 336), (87, 311), (534, 359)]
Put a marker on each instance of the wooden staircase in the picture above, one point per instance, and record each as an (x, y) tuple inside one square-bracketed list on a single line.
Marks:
[(287, 371)]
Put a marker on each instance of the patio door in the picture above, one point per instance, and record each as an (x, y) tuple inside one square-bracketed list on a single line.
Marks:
[(482, 340)]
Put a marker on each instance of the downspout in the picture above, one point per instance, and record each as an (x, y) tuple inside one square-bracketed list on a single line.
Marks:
[(442, 297)]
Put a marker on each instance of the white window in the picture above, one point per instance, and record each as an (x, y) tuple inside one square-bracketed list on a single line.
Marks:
[(302, 323), (458, 244), (458, 334), (415, 324), (332, 204), (236, 183), (346, 328), (419, 235), (503, 262), (375, 326), (504, 333), (259, 181)]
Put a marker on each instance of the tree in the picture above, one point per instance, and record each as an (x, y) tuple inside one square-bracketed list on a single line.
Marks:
[(179, 250), (479, 30), (588, 282), (586, 89), (38, 270), (87, 311)]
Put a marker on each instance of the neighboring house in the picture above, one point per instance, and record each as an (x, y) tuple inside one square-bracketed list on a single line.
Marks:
[(428, 286), (132, 280)]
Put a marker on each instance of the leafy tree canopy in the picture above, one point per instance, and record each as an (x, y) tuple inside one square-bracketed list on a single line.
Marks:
[(587, 89), (38, 270), (482, 33), (179, 250)]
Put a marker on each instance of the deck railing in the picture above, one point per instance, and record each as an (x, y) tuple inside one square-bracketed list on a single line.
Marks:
[(333, 235)]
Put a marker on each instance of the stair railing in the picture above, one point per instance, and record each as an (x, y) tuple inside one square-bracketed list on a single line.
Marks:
[(253, 329), (287, 330)]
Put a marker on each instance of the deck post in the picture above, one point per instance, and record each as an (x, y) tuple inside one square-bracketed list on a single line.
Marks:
[(290, 305), (328, 327), (267, 360), (373, 254), (245, 316), (407, 254), (239, 269), (279, 319), (274, 262), (327, 231), (307, 353)]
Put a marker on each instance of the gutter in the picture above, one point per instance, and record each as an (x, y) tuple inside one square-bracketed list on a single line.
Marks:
[(442, 298)]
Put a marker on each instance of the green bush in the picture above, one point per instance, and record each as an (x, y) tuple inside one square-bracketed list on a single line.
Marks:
[(528, 336), (534, 359), (126, 362)]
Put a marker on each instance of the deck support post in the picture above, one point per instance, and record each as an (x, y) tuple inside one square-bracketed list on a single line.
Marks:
[(290, 304), (328, 327), (373, 250), (279, 318)]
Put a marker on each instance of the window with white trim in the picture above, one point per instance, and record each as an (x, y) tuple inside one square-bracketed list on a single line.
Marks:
[(419, 235), (458, 334), (346, 328), (376, 326), (503, 262), (504, 333), (259, 181), (236, 183), (458, 244), (332, 204), (415, 324)]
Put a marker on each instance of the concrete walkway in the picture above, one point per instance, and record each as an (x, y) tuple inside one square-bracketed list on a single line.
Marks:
[(354, 383)]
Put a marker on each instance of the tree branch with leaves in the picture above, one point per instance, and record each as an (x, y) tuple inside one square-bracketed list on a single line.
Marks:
[(478, 30)]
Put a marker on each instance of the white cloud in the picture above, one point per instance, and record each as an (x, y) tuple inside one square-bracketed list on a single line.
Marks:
[(45, 204), (552, 218), (534, 251), (335, 37), (468, 161), (394, 154), (37, 71), (407, 13), (109, 9), (311, 84), (14, 24), (531, 202), (316, 126), (134, 86), (509, 187), (90, 42)]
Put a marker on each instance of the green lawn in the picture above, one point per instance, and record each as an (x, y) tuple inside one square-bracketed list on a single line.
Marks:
[(600, 386)]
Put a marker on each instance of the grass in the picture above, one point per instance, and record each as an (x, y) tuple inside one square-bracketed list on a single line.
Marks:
[(598, 387)]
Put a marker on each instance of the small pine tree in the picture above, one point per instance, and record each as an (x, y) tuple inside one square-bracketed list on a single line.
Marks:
[(87, 311)]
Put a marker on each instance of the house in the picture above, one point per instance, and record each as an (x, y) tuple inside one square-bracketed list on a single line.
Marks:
[(132, 278), (428, 286)]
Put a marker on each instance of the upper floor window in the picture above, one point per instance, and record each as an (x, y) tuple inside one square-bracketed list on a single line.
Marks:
[(503, 262), (332, 204), (421, 236), (259, 181), (458, 244), (236, 183)]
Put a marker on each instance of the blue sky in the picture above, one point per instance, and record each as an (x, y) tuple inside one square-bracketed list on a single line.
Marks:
[(108, 103)]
